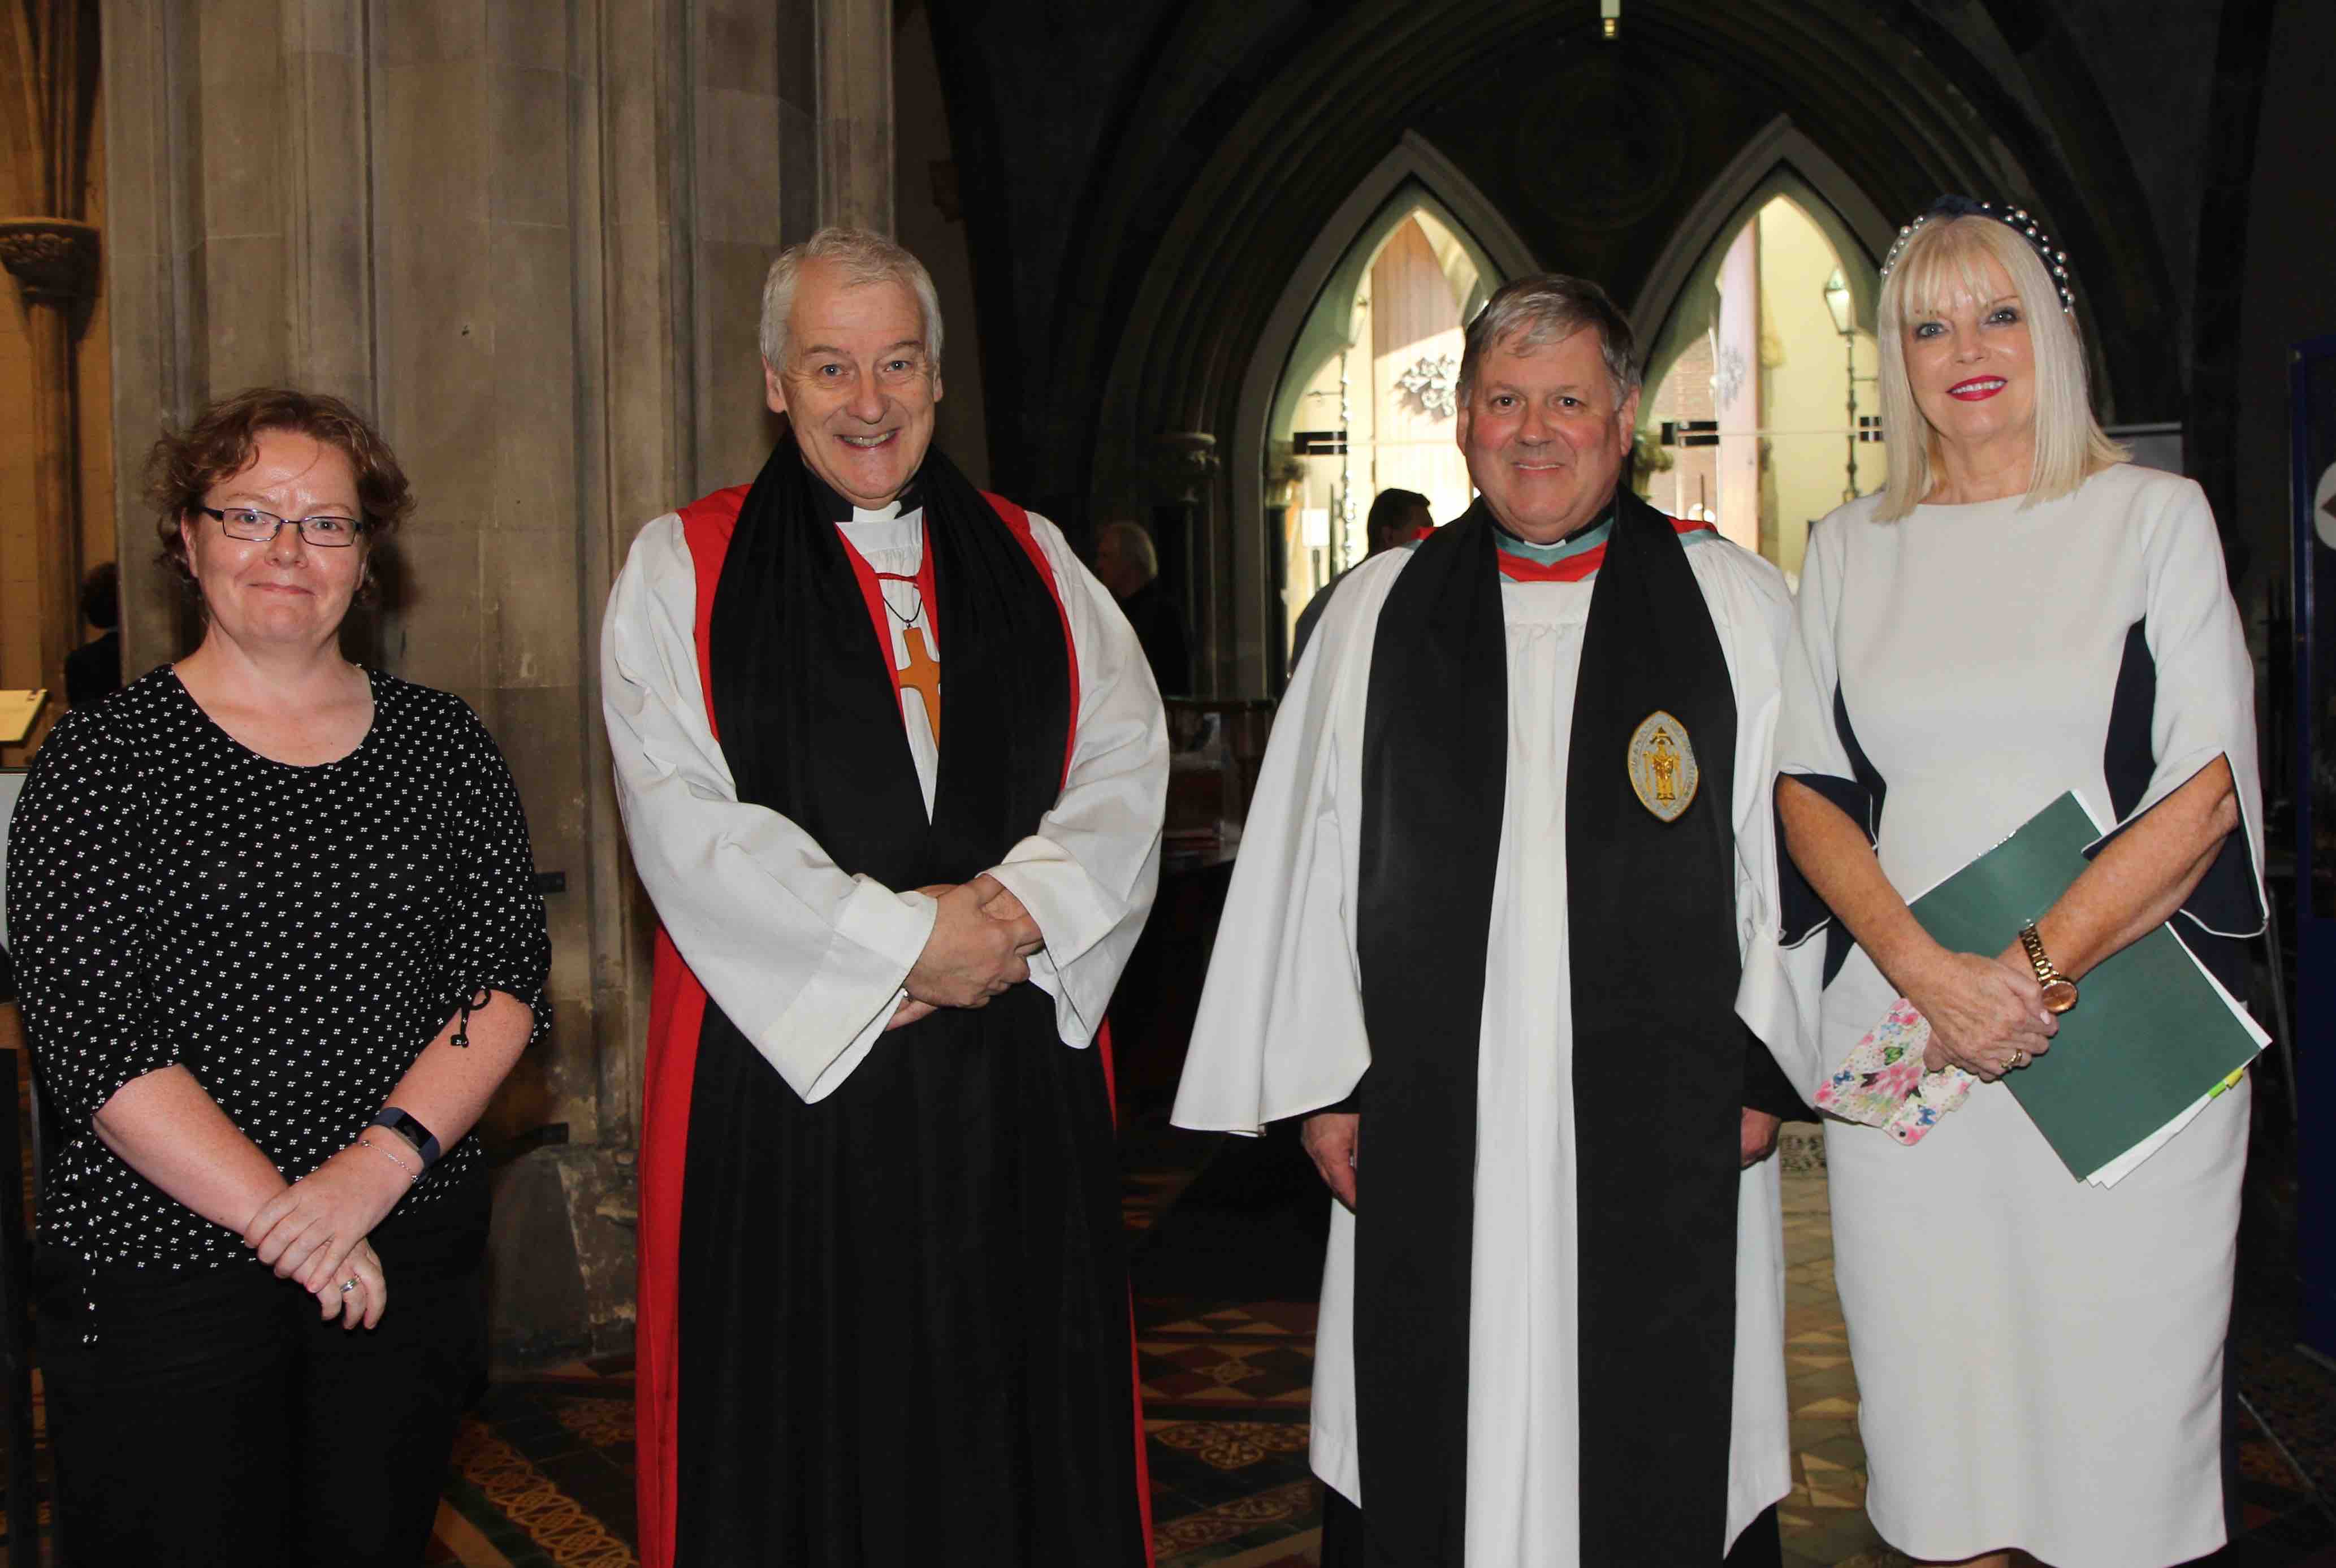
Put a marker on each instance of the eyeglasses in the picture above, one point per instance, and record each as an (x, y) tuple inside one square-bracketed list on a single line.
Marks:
[(326, 532)]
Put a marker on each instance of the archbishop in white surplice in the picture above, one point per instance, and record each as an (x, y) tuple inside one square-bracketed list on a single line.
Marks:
[(1280, 1033), (884, 750)]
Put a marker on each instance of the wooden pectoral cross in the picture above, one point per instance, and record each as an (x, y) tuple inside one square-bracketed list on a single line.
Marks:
[(922, 674)]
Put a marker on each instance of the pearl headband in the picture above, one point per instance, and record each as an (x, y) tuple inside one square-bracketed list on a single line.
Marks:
[(2016, 219)]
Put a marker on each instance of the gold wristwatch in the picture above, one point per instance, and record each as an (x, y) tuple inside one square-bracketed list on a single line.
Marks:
[(2059, 991)]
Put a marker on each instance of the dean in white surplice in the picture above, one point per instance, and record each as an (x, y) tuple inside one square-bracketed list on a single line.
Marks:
[(1281, 1030)]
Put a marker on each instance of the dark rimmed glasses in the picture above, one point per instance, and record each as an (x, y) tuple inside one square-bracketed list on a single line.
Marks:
[(324, 531)]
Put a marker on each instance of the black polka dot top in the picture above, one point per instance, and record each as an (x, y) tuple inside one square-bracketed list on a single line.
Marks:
[(292, 936)]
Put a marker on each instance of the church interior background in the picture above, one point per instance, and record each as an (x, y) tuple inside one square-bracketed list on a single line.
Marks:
[(1204, 266)]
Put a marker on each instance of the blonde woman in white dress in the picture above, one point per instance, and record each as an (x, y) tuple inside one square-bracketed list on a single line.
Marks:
[(2020, 612)]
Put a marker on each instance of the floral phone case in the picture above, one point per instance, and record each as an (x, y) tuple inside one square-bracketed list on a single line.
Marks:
[(1882, 1084)]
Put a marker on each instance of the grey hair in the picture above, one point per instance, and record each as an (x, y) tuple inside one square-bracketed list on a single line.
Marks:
[(865, 258), (1135, 542), (1529, 312)]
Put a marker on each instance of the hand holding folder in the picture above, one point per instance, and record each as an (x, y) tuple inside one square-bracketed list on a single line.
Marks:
[(2153, 1040)]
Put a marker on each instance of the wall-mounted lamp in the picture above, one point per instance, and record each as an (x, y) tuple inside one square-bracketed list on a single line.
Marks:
[(1836, 299), (1837, 305)]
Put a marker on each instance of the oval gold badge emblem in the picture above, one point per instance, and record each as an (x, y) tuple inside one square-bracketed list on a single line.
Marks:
[(1662, 768)]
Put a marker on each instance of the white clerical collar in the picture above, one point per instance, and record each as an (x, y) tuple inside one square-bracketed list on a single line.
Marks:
[(873, 533)]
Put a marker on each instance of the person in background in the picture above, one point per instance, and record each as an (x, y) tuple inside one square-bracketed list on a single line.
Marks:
[(277, 940), (1128, 564), (1397, 517), (94, 670), (2020, 613)]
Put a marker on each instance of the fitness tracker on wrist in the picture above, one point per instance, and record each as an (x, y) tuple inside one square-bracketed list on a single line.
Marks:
[(411, 1129)]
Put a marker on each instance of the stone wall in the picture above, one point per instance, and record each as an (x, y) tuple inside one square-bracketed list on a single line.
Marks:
[(25, 543), (528, 238), (57, 489)]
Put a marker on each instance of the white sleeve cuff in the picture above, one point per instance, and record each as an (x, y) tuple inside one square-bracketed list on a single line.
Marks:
[(895, 925)]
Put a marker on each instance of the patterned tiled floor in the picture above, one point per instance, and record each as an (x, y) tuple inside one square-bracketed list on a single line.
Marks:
[(1225, 1388), (544, 1474), (1824, 1520), (545, 1465)]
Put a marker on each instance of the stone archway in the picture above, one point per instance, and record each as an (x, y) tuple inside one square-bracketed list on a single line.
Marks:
[(1780, 160), (1413, 176), (1127, 302)]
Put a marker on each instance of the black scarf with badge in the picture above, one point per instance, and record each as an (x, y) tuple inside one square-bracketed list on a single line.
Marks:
[(903, 1309), (1657, 1053)]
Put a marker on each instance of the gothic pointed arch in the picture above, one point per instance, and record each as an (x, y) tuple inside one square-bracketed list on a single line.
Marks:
[(1189, 160), (1780, 160), (1413, 178)]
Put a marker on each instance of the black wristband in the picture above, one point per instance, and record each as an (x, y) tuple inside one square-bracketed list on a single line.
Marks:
[(409, 1127)]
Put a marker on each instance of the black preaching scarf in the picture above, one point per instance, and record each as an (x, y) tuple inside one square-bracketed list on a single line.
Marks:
[(903, 1309), (804, 697), (1658, 1052)]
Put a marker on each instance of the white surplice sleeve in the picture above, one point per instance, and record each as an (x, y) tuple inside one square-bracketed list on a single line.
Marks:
[(1809, 744), (1088, 874), (1752, 610), (804, 957), (1809, 747), (1281, 1027)]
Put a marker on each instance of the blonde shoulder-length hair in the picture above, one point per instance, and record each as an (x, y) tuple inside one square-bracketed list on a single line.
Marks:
[(1945, 257)]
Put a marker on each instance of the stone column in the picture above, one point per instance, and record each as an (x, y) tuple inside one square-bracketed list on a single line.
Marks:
[(239, 149), (54, 263), (1192, 468), (1737, 389), (328, 226), (49, 50), (151, 279), (752, 129), (855, 113)]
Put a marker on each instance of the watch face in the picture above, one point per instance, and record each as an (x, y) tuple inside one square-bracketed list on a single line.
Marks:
[(2059, 996)]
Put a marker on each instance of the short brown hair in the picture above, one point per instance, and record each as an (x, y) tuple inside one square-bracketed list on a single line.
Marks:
[(184, 465), (1528, 312)]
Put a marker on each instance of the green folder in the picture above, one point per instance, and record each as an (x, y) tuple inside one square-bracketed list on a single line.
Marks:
[(2151, 1035)]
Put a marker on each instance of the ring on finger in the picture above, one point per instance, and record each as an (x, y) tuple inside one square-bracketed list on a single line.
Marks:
[(349, 1285), (2020, 1057)]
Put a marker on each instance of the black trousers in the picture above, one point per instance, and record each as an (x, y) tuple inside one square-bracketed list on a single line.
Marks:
[(1344, 1538), (216, 1420)]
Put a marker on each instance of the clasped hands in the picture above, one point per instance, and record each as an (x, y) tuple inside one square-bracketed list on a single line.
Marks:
[(980, 945), (1986, 1015), (315, 1230)]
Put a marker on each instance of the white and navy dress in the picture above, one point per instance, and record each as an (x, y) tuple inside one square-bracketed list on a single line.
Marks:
[(2039, 1361)]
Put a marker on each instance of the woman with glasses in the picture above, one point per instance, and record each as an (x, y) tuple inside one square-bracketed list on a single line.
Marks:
[(278, 941)]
